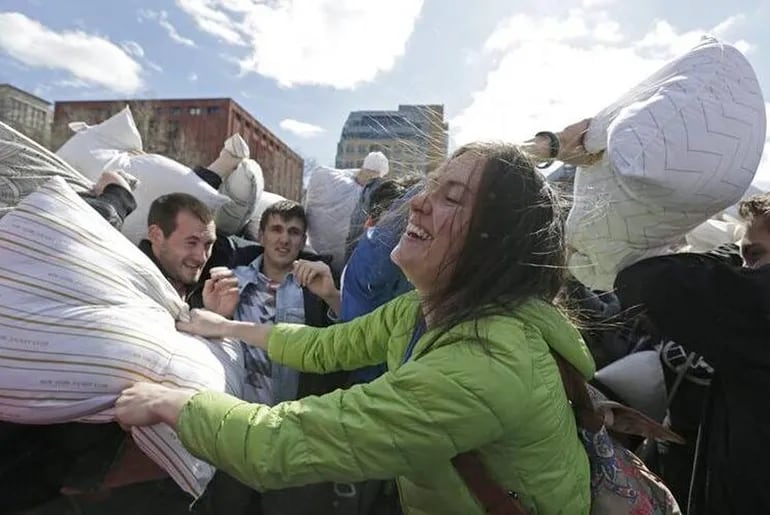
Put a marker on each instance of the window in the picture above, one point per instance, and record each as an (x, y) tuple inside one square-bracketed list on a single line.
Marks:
[(212, 110), (238, 118), (176, 111), (195, 111), (158, 111)]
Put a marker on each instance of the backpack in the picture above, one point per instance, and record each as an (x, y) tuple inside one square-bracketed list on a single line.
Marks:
[(620, 482)]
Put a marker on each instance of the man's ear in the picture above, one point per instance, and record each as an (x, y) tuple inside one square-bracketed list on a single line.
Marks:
[(260, 234), (155, 235)]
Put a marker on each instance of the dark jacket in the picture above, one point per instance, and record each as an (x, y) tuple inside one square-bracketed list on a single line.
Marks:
[(722, 312), (359, 215), (114, 204)]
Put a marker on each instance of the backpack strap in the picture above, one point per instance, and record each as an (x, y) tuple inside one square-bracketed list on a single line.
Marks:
[(576, 388), (495, 499)]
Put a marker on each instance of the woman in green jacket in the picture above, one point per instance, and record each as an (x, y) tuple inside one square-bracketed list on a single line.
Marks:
[(469, 361)]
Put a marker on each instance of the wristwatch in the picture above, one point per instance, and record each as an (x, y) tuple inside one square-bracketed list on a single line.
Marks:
[(553, 140)]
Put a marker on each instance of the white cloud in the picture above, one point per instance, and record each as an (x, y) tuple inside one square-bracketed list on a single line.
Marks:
[(71, 83), (155, 66), (193, 77), (301, 129), (608, 32), (725, 28), (589, 4), (91, 59), (521, 28), (41, 90), (133, 48), (211, 18), (556, 70), (338, 43), (162, 18)]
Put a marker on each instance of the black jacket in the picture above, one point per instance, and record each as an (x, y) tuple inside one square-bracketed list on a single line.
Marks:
[(114, 204), (721, 311)]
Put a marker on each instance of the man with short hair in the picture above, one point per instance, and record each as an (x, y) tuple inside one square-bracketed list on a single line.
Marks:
[(180, 238), (755, 246), (717, 309), (278, 282), (282, 283)]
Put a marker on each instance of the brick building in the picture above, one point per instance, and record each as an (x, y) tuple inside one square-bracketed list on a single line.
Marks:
[(192, 131)]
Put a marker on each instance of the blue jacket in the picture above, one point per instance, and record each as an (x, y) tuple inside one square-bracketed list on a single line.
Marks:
[(371, 279)]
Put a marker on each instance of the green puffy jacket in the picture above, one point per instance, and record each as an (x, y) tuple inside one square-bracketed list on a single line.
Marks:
[(492, 386)]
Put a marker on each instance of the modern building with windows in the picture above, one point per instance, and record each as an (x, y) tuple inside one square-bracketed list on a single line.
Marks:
[(414, 138), (192, 131), (26, 113)]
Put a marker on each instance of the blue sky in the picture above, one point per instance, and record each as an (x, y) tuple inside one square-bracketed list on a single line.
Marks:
[(504, 69)]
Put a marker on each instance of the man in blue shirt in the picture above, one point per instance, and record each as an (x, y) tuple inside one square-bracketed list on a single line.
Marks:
[(283, 284), (370, 278)]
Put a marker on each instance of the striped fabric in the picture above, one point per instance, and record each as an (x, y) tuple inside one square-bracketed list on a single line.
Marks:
[(83, 315), (25, 165)]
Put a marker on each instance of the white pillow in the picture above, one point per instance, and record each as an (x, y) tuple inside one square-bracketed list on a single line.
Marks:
[(244, 188), (159, 175), (25, 165), (85, 314), (712, 233), (118, 134), (266, 200), (680, 147), (115, 144), (332, 196)]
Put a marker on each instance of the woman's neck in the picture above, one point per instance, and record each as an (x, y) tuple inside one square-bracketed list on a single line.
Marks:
[(427, 311)]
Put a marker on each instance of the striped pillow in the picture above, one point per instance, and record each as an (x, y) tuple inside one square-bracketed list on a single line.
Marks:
[(84, 314), (25, 165)]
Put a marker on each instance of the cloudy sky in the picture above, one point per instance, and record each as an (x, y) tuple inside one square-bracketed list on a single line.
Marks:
[(504, 69)]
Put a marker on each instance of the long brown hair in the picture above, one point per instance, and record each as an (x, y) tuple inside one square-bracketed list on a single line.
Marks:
[(514, 249)]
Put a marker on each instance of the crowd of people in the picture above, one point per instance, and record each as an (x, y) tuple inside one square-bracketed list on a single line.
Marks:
[(453, 330)]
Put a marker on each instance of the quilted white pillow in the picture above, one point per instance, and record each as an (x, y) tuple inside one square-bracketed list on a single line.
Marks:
[(681, 146), (84, 314)]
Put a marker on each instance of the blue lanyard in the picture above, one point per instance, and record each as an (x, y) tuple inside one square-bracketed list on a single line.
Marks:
[(419, 330)]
